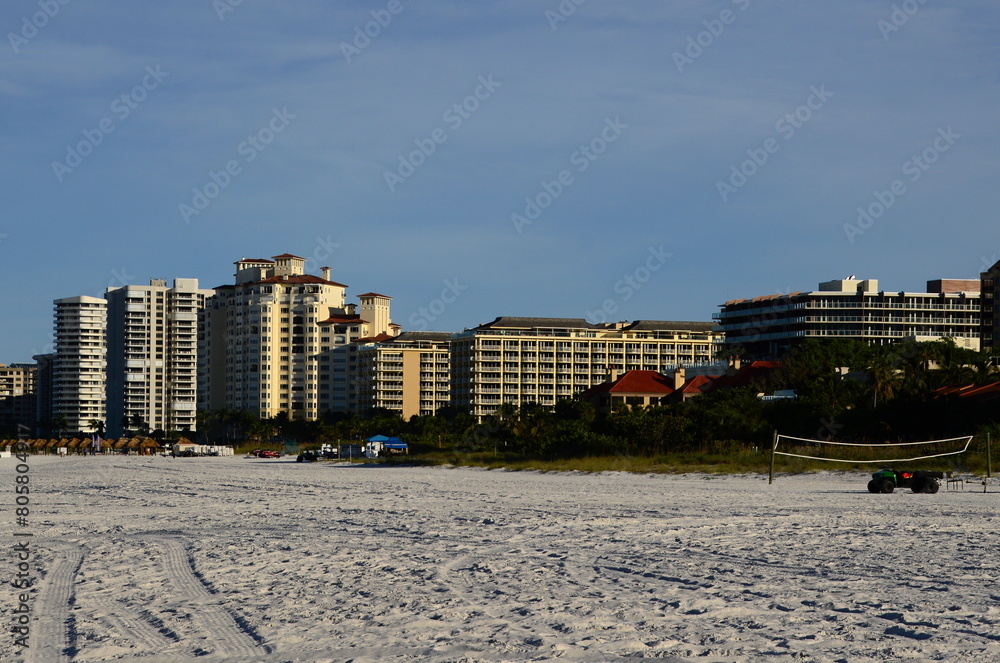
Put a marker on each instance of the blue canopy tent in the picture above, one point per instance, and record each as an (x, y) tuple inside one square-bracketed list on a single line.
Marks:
[(396, 444), (390, 444)]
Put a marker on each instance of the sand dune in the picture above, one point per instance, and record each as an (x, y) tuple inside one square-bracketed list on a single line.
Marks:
[(232, 559)]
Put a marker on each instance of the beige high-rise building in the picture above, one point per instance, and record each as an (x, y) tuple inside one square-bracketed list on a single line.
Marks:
[(153, 356), (17, 398), (277, 340), (78, 369), (409, 374), (518, 361)]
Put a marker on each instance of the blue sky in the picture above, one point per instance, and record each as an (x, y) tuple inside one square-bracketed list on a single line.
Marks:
[(626, 123)]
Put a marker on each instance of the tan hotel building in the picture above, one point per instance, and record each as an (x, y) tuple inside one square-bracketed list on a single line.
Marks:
[(409, 374), (278, 339), (17, 397), (544, 360)]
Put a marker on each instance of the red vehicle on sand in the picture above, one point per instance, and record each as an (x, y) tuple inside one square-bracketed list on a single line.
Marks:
[(265, 454)]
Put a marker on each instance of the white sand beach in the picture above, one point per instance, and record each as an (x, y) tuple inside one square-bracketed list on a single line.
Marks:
[(247, 560)]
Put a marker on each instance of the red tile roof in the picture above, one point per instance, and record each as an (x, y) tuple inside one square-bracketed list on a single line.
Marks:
[(288, 255), (746, 375), (699, 384), (378, 338), (341, 319), (647, 382), (374, 294), (636, 382), (978, 393), (300, 278)]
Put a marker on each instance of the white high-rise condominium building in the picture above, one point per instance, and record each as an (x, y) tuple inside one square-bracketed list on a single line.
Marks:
[(153, 356), (276, 340), (78, 371), (770, 326)]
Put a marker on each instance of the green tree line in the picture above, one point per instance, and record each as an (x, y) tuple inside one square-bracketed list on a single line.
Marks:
[(846, 390)]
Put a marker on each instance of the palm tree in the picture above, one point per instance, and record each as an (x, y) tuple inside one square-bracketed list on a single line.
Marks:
[(243, 420), (60, 422), (139, 424), (885, 379), (97, 425), (983, 368), (201, 419)]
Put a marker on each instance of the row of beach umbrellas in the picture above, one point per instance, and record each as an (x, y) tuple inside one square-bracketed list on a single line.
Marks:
[(78, 445)]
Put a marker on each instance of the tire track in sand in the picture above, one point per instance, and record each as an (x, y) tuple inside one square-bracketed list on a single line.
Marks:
[(138, 627), (54, 630), (229, 635)]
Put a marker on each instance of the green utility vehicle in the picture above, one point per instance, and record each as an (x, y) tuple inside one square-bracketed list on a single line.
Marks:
[(886, 481)]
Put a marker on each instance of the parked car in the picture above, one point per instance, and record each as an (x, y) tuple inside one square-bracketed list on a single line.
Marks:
[(307, 457)]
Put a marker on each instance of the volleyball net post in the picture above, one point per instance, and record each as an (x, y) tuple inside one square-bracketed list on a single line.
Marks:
[(774, 447)]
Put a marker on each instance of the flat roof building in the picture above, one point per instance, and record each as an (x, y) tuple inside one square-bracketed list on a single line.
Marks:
[(768, 326), (17, 398), (153, 356), (78, 370), (409, 374), (989, 283), (517, 361)]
